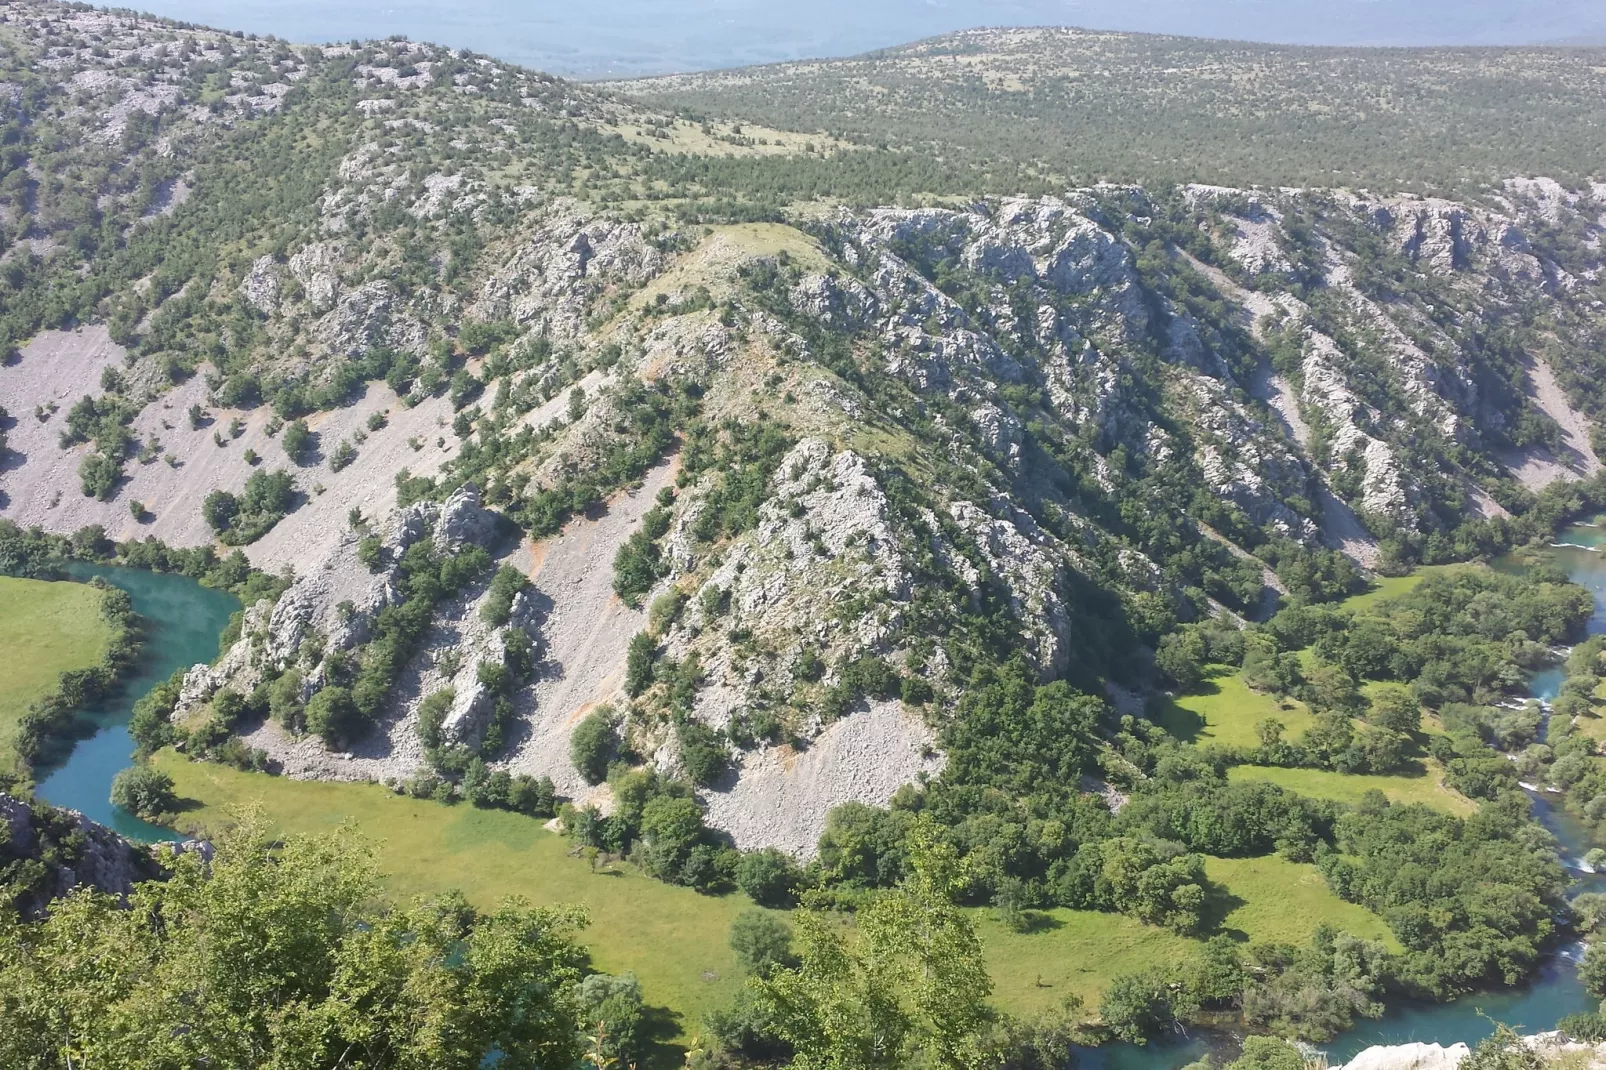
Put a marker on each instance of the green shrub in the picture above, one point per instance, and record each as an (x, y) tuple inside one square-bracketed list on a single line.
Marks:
[(703, 752), (639, 659), (593, 745), (636, 568), (610, 1011), (332, 715), (143, 791), (297, 440), (769, 877), (505, 587), (761, 940)]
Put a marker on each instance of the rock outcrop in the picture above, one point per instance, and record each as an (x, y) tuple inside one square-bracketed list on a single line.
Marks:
[(100, 859)]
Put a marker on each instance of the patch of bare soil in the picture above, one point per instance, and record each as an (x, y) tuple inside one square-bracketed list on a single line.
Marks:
[(41, 484)]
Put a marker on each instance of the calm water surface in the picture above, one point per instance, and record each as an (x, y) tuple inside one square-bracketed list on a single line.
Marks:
[(182, 623)]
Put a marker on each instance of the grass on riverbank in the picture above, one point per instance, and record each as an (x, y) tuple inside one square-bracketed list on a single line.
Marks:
[(48, 627), (1427, 788), (1225, 711), (676, 940)]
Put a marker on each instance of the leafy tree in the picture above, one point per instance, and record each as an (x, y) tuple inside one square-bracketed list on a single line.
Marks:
[(769, 877), (1181, 656), (296, 440), (610, 1012), (1268, 1053), (670, 829), (505, 587), (285, 954), (333, 715), (702, 751), (639, 659), (143, 791), (1592, 970), (636, 568), (911, 985), (593, 744), (219, 510), (1396, 709), (761, 940), (1137, 1006)]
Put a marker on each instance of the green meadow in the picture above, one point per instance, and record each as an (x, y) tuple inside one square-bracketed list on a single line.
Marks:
[(675, 940), (46, 629)]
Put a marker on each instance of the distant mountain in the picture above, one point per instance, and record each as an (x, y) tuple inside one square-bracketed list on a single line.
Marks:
[(1082, 106), (629, 38)]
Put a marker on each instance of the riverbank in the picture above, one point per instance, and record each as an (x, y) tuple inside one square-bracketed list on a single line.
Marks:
[(48, 628)]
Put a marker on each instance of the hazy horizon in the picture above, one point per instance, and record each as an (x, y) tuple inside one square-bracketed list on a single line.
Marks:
[(620, 38)]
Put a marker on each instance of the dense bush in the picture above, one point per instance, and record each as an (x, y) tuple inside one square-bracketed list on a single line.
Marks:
[(143, 791), (761, 941), (702, 751), (439, 983), (243, 519), (769, 877), (1471, 898), (610, 1013), (506, 585), (593, 745)]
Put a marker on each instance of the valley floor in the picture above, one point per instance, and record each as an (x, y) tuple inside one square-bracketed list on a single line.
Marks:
[(675, 940)]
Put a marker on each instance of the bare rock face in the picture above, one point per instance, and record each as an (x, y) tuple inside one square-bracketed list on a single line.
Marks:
[(1553, 1048), (1028, 560), (1416, 1056), (835, 300), (261, 286), (105, 862), (367, 318), (548, 280)]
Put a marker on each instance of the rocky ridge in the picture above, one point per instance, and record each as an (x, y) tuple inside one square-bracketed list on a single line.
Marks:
[(1105, 403)]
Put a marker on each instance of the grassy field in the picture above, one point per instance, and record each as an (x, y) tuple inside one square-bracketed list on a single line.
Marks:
[(1225, 711), (676, 940), (47, 628), (1076, 952), (1348, 788), (1384, 588)]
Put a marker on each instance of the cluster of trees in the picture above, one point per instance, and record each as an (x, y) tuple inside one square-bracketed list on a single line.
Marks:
[(241, 519), (1472, 899), (287, 953), (639, 563), (658, 823), (1014, 104), (1459, 642), (143, 792), (103, 421), (358, 684), (644, 427), (1311, 993)]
